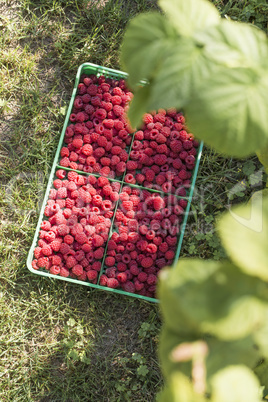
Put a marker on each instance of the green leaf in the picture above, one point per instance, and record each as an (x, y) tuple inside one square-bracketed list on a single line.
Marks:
[(142, 370), (248, 168), (261, 337), (145, 43), (222, 354), (244, 234), (261, 372), (229, 112), (235, 44), (179, 75), (189, 16), (138, 106), (235, 384), (168, 341), (263, 157), (179, 389), (210, 297)]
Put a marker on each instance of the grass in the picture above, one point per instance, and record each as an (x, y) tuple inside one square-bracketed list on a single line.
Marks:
[(62, 342)]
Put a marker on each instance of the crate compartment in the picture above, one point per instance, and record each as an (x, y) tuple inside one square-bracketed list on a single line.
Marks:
[(98, 135), (144, 239), (77, 219)]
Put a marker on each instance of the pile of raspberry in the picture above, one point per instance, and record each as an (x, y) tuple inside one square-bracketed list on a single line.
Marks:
[(72, 239), (163, 153), (143, 241), (98, 136)]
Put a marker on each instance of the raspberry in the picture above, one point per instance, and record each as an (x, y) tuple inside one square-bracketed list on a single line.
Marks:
[(64, 272), (128, 287), (182, 174), (118, 110), (87, 150), (110, 272), (60, 173), (54, 270), (97, 241), (81, 238), (142, 276), (158, 203), (147, 262), (112, 283), (116, 100), (77, 270), (109, 261), (103, 280), (77, 143), (64, 248), (64, 162), (169, 255), (134, 270), (43, 262), (47, 250), (150, 175), (129, 178), (71, 261), (50, 236), (147, 118), (177, 163), (62, 192), (92, 274), (122, 277)]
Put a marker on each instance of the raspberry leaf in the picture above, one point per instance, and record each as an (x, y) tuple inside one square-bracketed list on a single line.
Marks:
[(229, 111), (244, 234), (243, 385), (138, 105), (179, 388), (181, 72), (147, 39), (189, 16), (221, 309), (263, 158), (221, 353)]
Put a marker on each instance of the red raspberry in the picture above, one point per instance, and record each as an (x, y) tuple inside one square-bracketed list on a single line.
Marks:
[(169, 255), (149, 175), (77, 143), (109, 261), (182, 174), (43, 262), (110, 272), (112, 283), (140, 178), (46, 250), (71, 261), (54, 270), (103, 280), (64, 272), (65, 162), (97, 241), (60, 173), (158, 203), (147, 118), (50, 236), (116, 100), (92, 274), (81, 238), (147, 262), (151, 279), (176, 146), (87, 150), (128, 287), (77, 270), (142, 277), (129, 178), (122, 277), (64, 152)]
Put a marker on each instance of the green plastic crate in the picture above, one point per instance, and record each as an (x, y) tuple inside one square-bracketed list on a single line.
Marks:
[(89, 68)]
